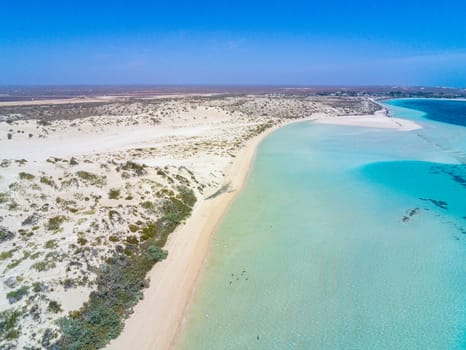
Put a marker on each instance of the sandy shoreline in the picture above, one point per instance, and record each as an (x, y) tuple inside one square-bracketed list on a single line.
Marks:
[(174, 280), (377, 120)]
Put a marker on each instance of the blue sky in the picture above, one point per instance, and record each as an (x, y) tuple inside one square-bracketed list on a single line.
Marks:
[(234, 42)]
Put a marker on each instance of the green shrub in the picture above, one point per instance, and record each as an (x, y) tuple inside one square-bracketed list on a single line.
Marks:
[(187, 196), (48, 181), (54, 223), (13, 205), (54, 307), (17, 295), (132, 240), (174, 211), (149, 206), (100, 326), (114, 193), (7, 254), (91, 179), (156, 253), (134, 167), (9, 327), (152, 229), (37, 287), (52, 244), (26, 176), (133, 228), (3, 197), (44, 265), (14, 263)]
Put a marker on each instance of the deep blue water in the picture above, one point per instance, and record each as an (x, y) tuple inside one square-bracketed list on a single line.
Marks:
[(446, 111)]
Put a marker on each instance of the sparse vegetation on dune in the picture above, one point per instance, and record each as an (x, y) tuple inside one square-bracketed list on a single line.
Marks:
[(54, 223), (120, 282), (114, 193), (26, 176), (3, 198), (135, 168), (9, 324), (91, 179)]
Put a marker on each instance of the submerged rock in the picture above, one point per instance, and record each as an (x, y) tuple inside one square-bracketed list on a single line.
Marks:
[(409, 214)]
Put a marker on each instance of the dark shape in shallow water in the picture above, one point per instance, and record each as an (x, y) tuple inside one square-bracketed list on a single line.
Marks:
[(438, 184), (438, 203), (456, 172), (409, 214)]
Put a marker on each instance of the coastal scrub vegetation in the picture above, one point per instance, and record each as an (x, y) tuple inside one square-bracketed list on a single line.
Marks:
[(3, 197), (54, 306), (134, 167), (92, 179), (9, 328), (121, 280), (17, 294), (54, 223), (26, 176), (48, 181), (114, 193)]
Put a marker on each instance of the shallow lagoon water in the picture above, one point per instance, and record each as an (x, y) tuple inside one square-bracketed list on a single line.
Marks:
[(343, 238)]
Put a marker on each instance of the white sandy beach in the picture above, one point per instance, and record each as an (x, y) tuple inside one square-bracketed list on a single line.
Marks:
[(377, 120), (205, 144), (190, 244)]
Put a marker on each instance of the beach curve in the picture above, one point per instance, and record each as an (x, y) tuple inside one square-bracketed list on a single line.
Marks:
[(173, 281)]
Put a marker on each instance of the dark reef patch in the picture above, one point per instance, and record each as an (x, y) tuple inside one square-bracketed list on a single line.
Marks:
[(438, 203)]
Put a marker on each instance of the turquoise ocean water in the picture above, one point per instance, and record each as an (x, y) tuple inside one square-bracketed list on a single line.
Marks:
[(343, 238)]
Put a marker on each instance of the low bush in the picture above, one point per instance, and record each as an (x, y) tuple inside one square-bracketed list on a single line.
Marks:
[(187, 196), (134, 168), (7, 254), (91, 179), (54, 223), (48, 181), (17, 295), (54, 307), (114, 193), (44, 265), (52, 244), (9, 327), (26, 176), (3, 197)]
